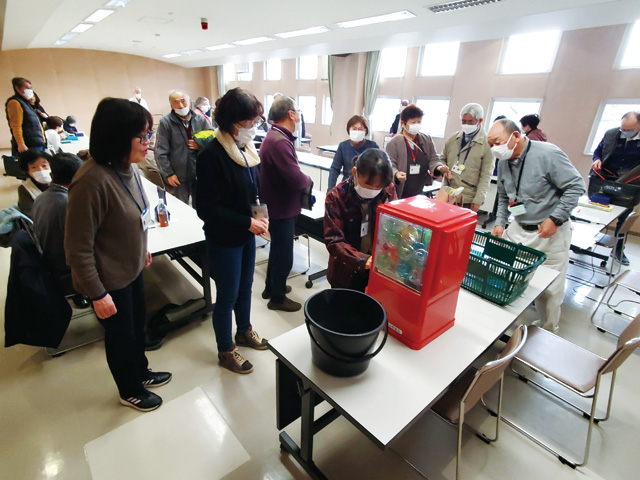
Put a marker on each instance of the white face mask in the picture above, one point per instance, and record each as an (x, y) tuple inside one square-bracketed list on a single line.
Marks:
[(42, 176), (365, 193), (28, 94), (183, 112), (245, 135), (414, 128), (138, 96), (356, 135), (503, 152), (469, 129), (205, 108)]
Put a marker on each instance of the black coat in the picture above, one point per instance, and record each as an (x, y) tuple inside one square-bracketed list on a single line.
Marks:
[(35, 313)]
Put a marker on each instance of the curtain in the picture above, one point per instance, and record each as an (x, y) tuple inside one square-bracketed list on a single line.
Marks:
[(332, 69), (371, 77), (221, 86)]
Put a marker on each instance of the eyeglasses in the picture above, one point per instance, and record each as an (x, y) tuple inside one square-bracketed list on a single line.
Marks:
[(145, 137), (259, 123)]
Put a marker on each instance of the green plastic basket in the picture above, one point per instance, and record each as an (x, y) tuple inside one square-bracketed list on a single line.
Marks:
[(500, 270)]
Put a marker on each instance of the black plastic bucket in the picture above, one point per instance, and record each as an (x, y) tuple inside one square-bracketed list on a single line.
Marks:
[(343, 326)]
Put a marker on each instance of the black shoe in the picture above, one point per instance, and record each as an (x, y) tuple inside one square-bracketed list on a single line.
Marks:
[(156, 379), (144, 402), (287, 305), (621, 257), (153, 343), (267, 294), (80, 302)]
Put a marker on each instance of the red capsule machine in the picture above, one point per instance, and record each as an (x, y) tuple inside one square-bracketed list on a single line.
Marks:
[(420, 258)]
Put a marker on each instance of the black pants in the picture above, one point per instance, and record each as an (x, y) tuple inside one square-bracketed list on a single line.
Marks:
[(280, 257), (124, 339)]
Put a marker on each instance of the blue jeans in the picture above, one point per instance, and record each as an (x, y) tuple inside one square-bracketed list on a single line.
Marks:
[(280, 257), (232, 271)]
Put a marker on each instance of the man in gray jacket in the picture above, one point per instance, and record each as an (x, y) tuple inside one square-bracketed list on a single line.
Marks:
[(539, 186), (176, 150)]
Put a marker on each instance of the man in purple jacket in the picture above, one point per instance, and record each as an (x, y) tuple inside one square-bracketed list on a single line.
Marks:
[(281, 187)]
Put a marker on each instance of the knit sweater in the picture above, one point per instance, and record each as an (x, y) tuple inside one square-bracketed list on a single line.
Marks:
[(104, 242)]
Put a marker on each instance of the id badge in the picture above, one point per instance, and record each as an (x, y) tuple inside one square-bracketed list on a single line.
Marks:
[(145, 219), (517, 209), (364, 229), (458, 168), (260, 212), (414, 169)]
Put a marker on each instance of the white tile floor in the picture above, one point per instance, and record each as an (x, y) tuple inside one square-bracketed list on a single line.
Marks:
[(51, 407)]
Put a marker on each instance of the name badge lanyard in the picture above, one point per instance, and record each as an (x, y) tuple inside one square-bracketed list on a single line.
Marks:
[(413, 155), (253, 180), (520, 174), (467, 154), (131, 194)]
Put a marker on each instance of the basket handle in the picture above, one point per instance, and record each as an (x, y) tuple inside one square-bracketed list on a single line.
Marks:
[(361, 359)]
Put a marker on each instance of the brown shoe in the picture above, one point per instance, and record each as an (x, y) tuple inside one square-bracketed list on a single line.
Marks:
[(287, 305), (232, 360), (250, 338)]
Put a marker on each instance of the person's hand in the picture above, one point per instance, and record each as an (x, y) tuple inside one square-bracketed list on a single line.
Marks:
[(475, 207), (105, 307), (445, 172), (22, 148), (401, 176), (547, 229), (192, 144), (147, 260), (367, 265), (497, 231), (259, 227), (173, 180), (597, 165), (63, 135)]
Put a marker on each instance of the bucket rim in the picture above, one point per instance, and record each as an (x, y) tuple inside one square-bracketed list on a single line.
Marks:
[(308, 319)]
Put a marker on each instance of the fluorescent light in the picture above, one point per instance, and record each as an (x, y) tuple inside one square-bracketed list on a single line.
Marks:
[(82, 27), (68, 36), (390, 17), (191, 52), (99, 15), (171, 55), (116, 3), (300, 33), (219, 47), (59, 42), (253, 41)]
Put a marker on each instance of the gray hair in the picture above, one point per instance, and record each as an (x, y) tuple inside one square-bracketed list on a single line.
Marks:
[(280, 108), (199, 101), (509, 126), (632, 112), (473, 109), (178, 90)]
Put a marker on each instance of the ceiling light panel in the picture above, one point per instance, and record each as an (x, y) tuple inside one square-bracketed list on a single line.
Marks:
[(253, 41), (116, 3), (222, 46), (300, 33), (82, 27), (171, 55), (458, 5), (99, 15), (390, 17), (195, 51), (68, 36)]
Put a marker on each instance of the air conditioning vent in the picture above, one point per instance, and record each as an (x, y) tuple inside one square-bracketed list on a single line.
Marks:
[(458, 5)]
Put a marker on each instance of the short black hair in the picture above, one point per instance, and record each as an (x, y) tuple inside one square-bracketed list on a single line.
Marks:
[(29, 156), (358, 119), (235, 106), (71, 119), (373, 163), (116, 122), (63, 167), (499, 117), (18, 82), (410, 112), (530, 121)]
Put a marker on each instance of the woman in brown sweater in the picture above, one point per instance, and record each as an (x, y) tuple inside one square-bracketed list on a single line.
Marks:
[(106, 243)]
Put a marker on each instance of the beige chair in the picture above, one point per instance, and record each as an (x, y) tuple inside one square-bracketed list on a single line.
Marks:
[(630, 280), (576, 369), (467, 390)]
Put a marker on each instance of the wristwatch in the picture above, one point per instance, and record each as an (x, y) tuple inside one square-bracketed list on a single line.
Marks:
[(556, 221)]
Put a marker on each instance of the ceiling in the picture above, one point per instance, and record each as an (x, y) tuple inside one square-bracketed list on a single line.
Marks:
[(153, 28)]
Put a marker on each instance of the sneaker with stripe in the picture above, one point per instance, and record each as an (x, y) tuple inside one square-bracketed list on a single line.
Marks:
[(156, 379), (144, 402)]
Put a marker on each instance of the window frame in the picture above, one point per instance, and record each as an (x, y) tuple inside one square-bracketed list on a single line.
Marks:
[(298, 76), (421, 61), (444, 128), (371, 123), (306, 119), (624, 45), (326, 102), (598, 118), (250, 73), (505, 47), (406, 50), (490, 115), (266, 70)]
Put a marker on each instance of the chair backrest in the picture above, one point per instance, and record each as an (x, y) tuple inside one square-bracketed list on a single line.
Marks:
[(628, 341), (12, 167), (628, 223), (487, 376)]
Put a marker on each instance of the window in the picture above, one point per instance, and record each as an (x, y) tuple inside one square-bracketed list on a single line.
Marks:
[(439, 59), (384, 113), (308, 68), (324, 67), (512, 109), (436, 112), (327, 111), (273, 69), (393, 62), (609, 116), (307, 104), (244, 72), (229, 71), (630, 53), (268, 101), (530, 52)]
